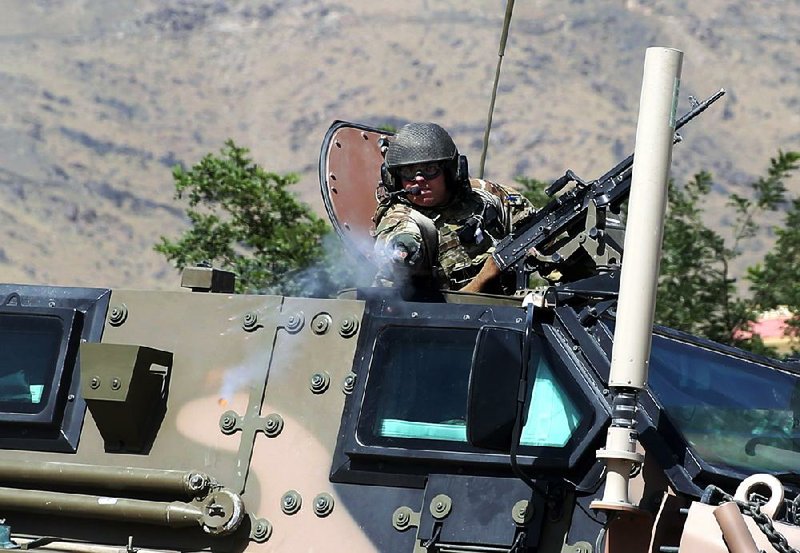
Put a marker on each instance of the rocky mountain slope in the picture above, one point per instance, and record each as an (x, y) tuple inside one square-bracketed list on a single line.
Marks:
[(100, 99)]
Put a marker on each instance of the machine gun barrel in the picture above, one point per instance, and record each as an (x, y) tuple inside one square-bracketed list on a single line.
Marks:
[(627, 163), (563, 212)]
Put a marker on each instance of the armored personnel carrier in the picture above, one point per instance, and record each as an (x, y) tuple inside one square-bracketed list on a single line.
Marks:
[(188, 421), (200, 420)]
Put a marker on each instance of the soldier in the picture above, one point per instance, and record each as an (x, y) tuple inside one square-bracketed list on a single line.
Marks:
[(438, 227)]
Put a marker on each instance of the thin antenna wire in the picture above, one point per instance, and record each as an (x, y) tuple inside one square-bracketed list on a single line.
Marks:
[(500, 54)]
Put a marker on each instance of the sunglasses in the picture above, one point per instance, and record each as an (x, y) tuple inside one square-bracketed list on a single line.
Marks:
[(428, 171)]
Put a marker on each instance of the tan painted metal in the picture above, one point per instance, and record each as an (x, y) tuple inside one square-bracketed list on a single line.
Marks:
[(255, 356), (300, 458), (644, 225), (701, 532), (734, 529), (636, 306)]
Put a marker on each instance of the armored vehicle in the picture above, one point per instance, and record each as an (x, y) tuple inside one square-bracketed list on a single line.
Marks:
[(200, 420)]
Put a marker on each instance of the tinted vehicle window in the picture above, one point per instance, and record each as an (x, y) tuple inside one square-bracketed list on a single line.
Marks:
[(30, 347), (735, 413), (418, 387)]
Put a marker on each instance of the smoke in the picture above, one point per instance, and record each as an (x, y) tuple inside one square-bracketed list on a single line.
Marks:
[(343, 265), (240, 378)]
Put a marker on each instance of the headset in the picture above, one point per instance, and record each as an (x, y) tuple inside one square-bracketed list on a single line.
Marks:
[(457, 171)]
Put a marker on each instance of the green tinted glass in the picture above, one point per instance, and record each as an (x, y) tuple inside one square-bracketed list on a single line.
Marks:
[(30, 346), (734, 412), (419, 385)]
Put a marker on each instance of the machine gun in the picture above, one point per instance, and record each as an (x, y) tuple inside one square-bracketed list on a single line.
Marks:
[(572, 237)]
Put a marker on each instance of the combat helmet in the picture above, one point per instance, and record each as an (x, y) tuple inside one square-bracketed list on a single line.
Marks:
[(424, 143)]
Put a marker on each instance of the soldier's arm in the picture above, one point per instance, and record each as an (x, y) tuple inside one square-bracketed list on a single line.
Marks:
[(398, 247), (488, 273)]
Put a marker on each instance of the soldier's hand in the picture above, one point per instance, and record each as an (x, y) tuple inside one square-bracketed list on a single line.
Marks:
[(404, 249)]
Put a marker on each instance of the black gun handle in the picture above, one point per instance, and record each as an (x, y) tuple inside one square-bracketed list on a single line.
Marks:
[(558, 184), (561, 182)]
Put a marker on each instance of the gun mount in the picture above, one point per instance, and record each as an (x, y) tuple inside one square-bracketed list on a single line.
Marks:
[(573, 236)]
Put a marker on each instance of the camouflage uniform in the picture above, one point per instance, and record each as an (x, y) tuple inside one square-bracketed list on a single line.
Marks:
[(467, 227)]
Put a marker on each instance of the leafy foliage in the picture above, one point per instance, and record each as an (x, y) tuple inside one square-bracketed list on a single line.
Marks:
[(696, 290), (774, 282), (246, 219), (533, 189)]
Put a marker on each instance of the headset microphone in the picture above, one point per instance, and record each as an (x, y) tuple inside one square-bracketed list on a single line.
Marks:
[(413, 191)]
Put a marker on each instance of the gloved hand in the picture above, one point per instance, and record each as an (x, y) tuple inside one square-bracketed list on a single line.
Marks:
[(404, 249)]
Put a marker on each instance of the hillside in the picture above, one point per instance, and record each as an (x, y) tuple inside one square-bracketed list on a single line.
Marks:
[(100, 99)]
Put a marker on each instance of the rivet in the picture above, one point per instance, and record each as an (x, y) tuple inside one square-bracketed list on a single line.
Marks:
[(401, 518), (116, 384), (321, 323), (95, 383), (118, 314), (295, 322), (440, 506), (262, 530), (250, 321), (291, 502), (227, 422), (522, 512), (273, 425), (349, 383), (323, 504), (348, 327), (320, 382)]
